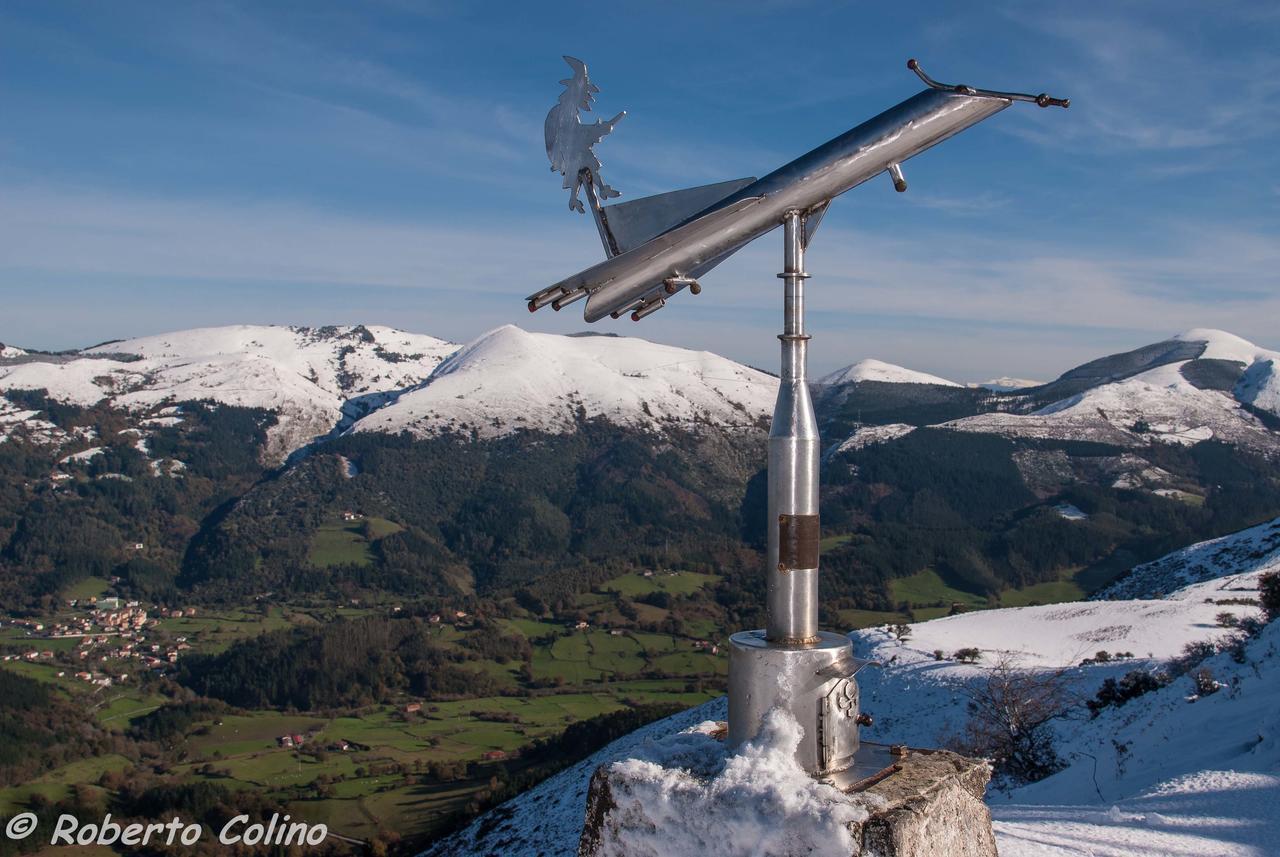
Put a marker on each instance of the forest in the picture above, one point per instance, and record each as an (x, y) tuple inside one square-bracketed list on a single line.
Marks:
[(552, 516)]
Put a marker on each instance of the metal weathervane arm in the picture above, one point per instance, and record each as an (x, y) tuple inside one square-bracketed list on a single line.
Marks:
[(658, 245)]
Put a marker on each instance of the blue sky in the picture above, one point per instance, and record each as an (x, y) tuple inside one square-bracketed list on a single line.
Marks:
[(172, 165)]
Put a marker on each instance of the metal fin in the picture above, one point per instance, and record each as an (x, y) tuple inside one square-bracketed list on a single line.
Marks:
[(636, 221), (812, 219)]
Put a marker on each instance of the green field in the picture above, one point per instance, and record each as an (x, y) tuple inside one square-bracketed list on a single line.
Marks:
[(378, 783), (89, 587), (674, 582), (120, 709), (1051, 592), (348, 542), (855, 619), (930, 597), (831, 542), (55, 784), (213, 632), (926, 588)]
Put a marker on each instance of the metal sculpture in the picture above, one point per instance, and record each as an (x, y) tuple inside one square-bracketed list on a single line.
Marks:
[(569, 142), (659, 245)]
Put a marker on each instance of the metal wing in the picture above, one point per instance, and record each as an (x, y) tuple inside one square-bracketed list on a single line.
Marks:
[(632, 223)]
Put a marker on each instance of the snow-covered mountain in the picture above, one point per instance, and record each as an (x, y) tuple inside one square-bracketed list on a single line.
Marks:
[(1201, 385), (10, 351), (511, 379), (877, 370), (1171, 772), (309, 377)]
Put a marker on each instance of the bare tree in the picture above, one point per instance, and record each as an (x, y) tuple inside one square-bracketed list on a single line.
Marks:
[(1011, 715)]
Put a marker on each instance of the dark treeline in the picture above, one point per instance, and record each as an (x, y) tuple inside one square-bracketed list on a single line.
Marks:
[(343, 664), (41, 729)]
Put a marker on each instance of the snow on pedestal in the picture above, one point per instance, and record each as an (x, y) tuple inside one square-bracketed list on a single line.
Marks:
[(687, 796)]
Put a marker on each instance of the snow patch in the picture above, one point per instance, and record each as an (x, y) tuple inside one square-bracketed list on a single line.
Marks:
[(1006, 384), (1070, 512), (687, 798)]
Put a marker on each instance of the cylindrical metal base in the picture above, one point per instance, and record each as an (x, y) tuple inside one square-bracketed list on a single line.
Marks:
[(813, 683)]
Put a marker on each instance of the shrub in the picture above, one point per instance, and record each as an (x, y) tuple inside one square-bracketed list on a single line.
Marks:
[(1227, 619), (1011, 720), (1206, 684), (1269, 593), (968, 655), (1193, 654), (1130, 686), (1251, 626)]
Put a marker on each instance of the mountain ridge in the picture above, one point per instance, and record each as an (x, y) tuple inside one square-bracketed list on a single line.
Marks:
[(321, 382)]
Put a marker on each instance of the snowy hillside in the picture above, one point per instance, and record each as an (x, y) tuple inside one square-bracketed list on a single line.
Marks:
[(869, 436), (9, 351), (308, 376), (1254, 548), (1006, 384), (1170, 773), (1183, 402), (876, 370), (510, 379)]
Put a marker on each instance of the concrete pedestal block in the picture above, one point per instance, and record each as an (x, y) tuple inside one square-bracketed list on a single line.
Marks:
[(933, 807), (926, 803)]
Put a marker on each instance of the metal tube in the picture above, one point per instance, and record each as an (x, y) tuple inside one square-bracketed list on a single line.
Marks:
[(792, 558), (568, 298)]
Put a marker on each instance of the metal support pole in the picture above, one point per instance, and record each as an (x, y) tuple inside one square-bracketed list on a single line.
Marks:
[(790, 664), (792, 617)]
